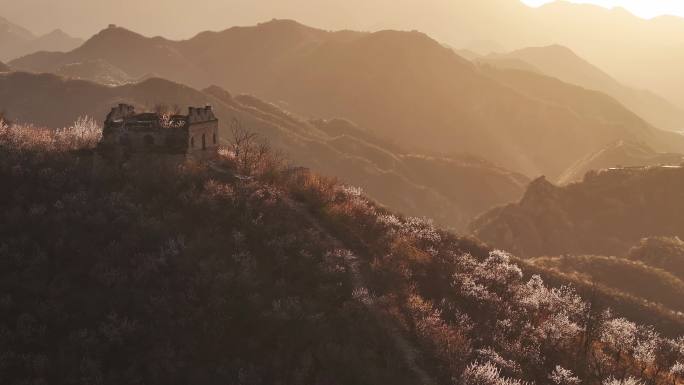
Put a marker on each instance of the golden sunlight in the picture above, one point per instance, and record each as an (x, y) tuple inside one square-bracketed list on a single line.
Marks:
[(642, 8)]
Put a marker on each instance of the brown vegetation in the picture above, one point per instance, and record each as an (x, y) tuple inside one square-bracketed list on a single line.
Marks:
[(191, 275), (638, 279), (661, 252)]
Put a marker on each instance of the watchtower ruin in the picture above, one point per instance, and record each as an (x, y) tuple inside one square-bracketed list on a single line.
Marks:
[(129, 133)]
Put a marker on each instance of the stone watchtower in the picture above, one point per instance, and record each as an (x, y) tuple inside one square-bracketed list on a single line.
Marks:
[(127, 133)]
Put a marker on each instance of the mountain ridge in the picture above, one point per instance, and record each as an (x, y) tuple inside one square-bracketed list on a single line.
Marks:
[(451, 190), (416, 86), (619, 154), (563, 63)]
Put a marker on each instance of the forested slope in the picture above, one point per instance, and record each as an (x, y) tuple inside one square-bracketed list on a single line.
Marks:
[(142, 274)]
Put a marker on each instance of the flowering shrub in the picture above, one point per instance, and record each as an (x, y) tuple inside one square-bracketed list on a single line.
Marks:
[(677, 370), (562, 376), (83, 133), (490, 355), (486, 374), (624, 381)]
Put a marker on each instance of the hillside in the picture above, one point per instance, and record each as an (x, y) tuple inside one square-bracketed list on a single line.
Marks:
[(501, 62), (56, 40), (562, 63), (619, 154), (605, 214), (142, 274), (661, 252), (595, 107), (16, 41), (404, 86), (636, 278), (451, 190), (98, 71), (4, 67)]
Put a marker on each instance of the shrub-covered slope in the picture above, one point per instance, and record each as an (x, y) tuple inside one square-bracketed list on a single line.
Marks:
[(638, 279), (661, 252), (138, 273), (605, 214)]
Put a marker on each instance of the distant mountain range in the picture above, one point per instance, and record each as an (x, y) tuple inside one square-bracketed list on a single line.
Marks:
[(4, 67), (562, 63), (606, 214), (451, 190), (403, 86), (16, 41), (642, 54)]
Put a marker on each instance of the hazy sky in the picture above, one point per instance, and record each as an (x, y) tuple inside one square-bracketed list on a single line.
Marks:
[(179, 19), (642, 8)]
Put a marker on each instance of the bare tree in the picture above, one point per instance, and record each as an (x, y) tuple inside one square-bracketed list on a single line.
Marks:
[(244, 145)]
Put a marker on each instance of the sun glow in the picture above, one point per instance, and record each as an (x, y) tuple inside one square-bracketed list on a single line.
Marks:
[(642, 8)]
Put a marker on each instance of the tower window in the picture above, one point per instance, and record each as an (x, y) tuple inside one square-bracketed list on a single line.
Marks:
[(204, 142), (214, 138), (192, 141)]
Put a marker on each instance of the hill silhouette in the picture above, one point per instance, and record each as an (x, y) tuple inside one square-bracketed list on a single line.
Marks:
[(450, 189), (619, 154), (16, 41), (606, 214), (403, 86), (56, 40), (637, 47), (643, 54), (666, 253), (4, 67), (562, 63), (12, 38), (171, 275)]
